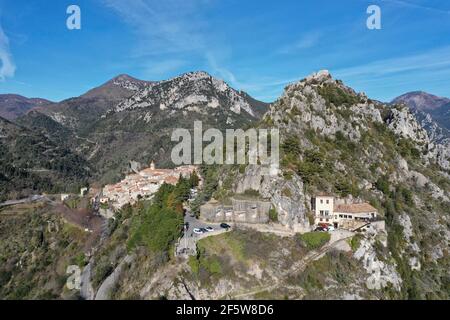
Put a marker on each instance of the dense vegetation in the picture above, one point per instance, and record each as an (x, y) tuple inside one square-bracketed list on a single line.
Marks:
[(30, 162), (36, 247)]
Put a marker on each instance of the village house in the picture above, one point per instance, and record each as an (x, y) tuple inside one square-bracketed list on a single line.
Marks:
[(341, 215), (143, 184)]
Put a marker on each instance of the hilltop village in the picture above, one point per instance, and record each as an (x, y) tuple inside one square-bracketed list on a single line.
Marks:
[(142, 184)]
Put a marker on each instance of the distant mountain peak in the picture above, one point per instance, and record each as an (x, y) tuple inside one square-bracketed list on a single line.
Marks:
[(431, 111), (422, 101), (14, 105)]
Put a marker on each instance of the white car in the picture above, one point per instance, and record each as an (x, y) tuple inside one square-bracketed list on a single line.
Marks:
[(331, 228), (209, 229), (198, 231)]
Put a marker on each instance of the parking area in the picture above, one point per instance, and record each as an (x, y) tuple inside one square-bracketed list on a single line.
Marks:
[(187, 245)]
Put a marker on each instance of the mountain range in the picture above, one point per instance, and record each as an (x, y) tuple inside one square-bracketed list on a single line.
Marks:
[(334, 140), (101, 124)]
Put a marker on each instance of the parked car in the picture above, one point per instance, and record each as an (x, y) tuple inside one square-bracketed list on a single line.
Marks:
[(209, 229), (186, 225), (320, 229), (203, 230), (331, 228), (198, 231), (225, 226)]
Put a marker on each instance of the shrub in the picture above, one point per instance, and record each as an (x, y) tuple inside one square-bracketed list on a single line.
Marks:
[(314, 240), (382, 184), (337, 96), (273, 215), (355, 242)]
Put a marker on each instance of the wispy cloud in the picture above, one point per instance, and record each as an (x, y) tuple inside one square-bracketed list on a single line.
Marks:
[(163, 27), (307, 41), (7, 68), (432, 60), (393, 76), (156, 70), (403, 3), (173, 33)]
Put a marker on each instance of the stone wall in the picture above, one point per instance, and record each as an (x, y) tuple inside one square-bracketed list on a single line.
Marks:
[(245, 211)]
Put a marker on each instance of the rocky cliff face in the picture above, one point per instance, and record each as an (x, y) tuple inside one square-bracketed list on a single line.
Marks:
[(320, 107), (433, 114), (286, 195), (338, 141)]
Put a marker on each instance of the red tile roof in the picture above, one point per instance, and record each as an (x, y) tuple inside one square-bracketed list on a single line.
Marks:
[(354, 208)]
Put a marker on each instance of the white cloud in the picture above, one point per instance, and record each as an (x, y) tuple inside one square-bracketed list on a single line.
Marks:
[(7, 67)]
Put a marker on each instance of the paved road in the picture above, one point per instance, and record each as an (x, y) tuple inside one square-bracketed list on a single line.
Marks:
[(104, 292), (189, 239), (86, 291), (20, 201)]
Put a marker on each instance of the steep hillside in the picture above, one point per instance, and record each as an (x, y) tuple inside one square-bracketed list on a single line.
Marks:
[(36, 247), (30, 162), (149, 117), (334, 140), (13, 105), (337, 141)]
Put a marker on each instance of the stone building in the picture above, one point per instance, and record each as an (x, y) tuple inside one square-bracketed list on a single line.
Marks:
[(241, 211)]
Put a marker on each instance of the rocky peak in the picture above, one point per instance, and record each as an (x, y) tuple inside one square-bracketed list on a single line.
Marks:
[(325, 105), (127, 82), (321, 76), (192, 91)]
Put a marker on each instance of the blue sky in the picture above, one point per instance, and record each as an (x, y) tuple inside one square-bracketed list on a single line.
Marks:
[(257, 46)]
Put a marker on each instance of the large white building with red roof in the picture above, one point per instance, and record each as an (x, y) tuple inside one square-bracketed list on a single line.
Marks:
[(328, 211)]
